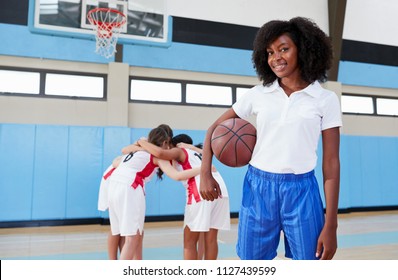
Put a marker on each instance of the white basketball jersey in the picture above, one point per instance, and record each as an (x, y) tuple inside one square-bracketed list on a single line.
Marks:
[(135, 169), (103, 191), (194, 159)]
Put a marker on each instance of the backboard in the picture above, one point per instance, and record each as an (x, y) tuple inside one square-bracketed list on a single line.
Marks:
[(147, 20)]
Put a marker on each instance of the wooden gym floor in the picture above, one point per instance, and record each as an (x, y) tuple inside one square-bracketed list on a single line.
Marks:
[(361, 236)]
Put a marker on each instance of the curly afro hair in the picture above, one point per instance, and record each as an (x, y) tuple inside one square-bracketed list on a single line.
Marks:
[(314, 49)]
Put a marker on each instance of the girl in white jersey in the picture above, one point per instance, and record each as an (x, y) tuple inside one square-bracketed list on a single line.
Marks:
[(127, 193), (280, 192), (115, 242), (200, 216)]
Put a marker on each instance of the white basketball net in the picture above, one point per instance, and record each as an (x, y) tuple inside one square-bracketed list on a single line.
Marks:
[(107, 23)]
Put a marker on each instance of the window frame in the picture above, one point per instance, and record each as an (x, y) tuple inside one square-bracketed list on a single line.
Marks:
[(385, 97), (184, 91), (374, 104), (43, 72)]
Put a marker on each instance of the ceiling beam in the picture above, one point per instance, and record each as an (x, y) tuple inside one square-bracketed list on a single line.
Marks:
[(336, 10)]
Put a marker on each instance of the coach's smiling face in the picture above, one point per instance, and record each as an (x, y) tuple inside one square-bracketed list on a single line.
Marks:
[(282, 57)]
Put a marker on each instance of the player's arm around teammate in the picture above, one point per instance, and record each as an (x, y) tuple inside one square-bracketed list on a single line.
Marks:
[(166, 154), (191, 147), (164, 165), (173, 173), (132, 148)]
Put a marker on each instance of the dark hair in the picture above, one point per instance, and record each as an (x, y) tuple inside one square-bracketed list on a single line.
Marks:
[(184, 138), (167, 128), (314, 49), (157, 136)]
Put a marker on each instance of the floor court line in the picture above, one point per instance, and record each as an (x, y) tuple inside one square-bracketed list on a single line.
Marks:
[(361, 236)]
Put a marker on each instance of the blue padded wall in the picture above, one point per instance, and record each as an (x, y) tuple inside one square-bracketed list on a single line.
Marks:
[(52, 172), (17, 153), (369, 167), (84, 168), (388, 166)]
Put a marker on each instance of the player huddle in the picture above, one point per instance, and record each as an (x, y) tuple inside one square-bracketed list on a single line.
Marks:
[(122, 191)]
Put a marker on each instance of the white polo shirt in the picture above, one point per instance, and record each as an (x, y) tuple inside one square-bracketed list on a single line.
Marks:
[(288, 128)]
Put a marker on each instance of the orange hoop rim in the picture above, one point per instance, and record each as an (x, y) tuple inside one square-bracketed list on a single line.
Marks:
[(111, 24)]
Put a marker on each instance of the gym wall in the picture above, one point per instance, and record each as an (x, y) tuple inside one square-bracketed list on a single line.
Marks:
[(53, 150)]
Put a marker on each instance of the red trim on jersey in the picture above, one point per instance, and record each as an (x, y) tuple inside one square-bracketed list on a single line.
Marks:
[(192, 186), (144, 173), (109, 173)]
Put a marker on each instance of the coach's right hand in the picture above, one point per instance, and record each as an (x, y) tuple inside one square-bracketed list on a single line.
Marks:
[(209, 188)]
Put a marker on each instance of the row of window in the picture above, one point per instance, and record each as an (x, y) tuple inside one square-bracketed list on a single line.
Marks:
[(184, 92), (369, 105), (52, 84), (45, 83)]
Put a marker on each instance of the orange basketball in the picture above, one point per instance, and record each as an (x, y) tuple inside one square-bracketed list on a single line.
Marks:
[(233, 142)]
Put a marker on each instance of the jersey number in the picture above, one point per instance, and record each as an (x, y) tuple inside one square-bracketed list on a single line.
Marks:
[(198, 155), (128, 157)]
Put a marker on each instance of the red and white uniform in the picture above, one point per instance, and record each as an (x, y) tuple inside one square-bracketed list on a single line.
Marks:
[(200, 214), (103, 203), (127, 193)]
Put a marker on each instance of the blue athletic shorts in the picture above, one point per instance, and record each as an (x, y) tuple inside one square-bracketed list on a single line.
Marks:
[(272, 203)]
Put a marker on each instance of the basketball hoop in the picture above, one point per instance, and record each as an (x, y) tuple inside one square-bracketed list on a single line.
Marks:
[(107, 23)]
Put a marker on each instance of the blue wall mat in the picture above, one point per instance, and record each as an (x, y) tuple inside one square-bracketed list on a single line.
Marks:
[(50, 172), (345, 167), (61, 168), (172, 196), (370, 168), (84, 171), (152, 196), (388, 181), (364, 74), (137, 133), (17, 148), (165, 197), (352, 173), (115, 138)]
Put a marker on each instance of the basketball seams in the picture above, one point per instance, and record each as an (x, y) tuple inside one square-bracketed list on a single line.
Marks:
[(244, 142), (233, 143), (226, 144), (222, 135)]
